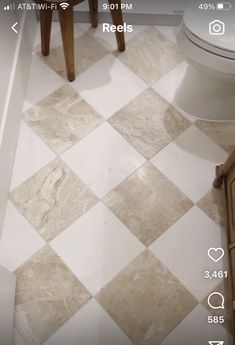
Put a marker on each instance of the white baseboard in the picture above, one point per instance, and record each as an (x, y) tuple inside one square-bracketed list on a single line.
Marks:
[(9, 130), (7, 294), (130, 18), (14, 104)]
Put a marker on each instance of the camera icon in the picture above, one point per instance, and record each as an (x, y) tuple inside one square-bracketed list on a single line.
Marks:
[(217, 27)]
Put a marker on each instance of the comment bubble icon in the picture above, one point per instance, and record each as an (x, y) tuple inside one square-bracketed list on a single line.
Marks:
[(216, 300)]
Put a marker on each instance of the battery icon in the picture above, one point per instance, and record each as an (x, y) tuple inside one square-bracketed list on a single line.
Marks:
[(224, 6)]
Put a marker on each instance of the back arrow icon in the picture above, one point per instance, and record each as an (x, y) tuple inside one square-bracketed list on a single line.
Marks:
[(13, 27)]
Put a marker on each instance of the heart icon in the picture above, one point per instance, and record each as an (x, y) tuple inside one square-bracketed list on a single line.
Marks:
[(216, 254)]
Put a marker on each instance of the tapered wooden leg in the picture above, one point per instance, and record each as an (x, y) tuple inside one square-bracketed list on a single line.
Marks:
[(118, 20), (93, 5), (45, 22), (223, 170), (219, 179), (67, 32)]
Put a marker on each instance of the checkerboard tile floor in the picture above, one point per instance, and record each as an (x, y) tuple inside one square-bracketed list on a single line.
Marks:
[(111, 209)]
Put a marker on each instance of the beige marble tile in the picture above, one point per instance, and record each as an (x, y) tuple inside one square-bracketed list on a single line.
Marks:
[(62, 119), (213, 204), (146, 300), (226, 290), (87, 52), (47, 295), (223, 133), (148, 203), (149, 123), (150, 55), (52, 199)]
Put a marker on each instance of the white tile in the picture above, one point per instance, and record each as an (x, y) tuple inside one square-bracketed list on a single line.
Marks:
[(103, 159), (42, 82), (108, 85), (183, 249), (169, 32), (19, 240), (17, 340), (168, 85), (190, 162), (56, 38), (108, 40), (97, 247), (55, 28), (90, 326), (195, 330), (31, 155)]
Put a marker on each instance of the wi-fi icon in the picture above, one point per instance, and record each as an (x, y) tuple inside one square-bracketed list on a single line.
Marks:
[(64, 5)]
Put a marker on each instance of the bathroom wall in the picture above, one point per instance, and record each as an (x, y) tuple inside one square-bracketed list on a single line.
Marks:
[(158, 6), (148, 6), (6, 54), (152, 12)]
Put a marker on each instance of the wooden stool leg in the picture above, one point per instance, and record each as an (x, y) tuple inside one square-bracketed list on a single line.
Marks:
[(118, 20), (45, 22), (93, 5), (224, 169), (219, 179), (67, 32)]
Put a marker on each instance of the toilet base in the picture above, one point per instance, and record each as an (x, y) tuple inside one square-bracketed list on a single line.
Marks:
[(206, 97)]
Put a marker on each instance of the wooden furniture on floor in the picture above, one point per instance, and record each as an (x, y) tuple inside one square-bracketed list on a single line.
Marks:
[(66, 17), (225, 174)]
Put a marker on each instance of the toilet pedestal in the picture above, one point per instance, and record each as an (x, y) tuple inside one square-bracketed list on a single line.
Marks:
[(206, 97)]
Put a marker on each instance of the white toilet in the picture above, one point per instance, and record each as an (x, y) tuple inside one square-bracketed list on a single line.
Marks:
[(208, 88)]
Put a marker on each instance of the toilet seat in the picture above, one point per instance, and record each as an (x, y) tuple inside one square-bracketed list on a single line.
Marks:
[(208, 47), (196, 28)]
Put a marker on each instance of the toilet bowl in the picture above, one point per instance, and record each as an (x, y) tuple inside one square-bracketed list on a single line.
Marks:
[(206, 40)]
